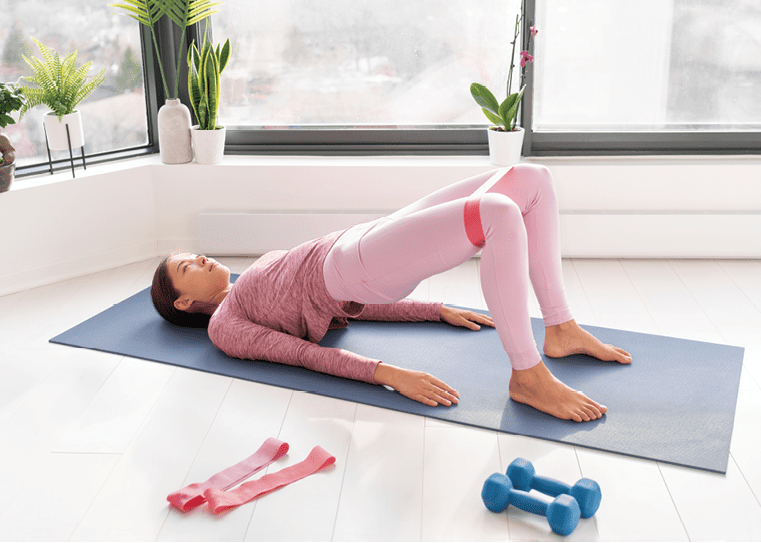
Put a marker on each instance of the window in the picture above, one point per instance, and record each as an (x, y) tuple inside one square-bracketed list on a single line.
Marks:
[(647, 73), (114, 115), (611, 76), (367, 71)]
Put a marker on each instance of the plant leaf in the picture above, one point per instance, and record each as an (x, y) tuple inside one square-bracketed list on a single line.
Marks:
[(494, 119), (212, 89), (224, 56), (508, 110), (484, 98), (194, 91)]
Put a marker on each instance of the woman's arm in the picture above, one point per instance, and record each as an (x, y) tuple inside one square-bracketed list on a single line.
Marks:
[(402, 310), (411, 310), (241, 338)]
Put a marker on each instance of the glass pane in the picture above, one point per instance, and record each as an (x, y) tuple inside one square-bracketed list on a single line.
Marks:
[(386, 63), (114, 115), (648, 65)]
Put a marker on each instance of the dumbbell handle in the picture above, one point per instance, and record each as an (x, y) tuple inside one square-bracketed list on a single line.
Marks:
[(551, 487), (523, 500)]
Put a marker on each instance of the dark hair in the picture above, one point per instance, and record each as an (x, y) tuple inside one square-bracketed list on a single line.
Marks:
[(164, 295)]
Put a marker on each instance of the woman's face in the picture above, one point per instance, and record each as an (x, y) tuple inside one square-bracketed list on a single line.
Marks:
[(196, 278)]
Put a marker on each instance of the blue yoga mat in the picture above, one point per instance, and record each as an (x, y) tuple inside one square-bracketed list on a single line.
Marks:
[(675, 403)]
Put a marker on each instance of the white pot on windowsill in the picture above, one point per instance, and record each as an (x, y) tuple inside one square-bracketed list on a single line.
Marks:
[(208, 145), (505, 146), (56, 131)]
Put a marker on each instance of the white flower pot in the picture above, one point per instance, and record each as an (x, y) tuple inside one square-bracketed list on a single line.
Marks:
[(174, 133), (208, 145), (505, 147), (56, 131)]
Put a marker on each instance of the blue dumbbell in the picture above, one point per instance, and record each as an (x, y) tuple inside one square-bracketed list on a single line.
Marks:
[(562, 514), (586, 491)]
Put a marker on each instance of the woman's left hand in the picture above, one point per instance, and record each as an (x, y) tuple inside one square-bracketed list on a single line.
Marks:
[(464, 317)]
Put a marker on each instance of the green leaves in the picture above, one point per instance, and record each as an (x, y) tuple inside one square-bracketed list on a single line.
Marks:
[(60, 86), (11, 99), (146, 12), (204, 69), (188, 12), (502, 115)]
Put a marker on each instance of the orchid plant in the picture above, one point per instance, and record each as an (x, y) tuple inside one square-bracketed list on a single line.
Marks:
[(505, 115)]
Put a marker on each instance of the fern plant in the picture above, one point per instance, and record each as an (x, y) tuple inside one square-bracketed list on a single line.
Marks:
[(60, 84), (183, 13), (204, 68)]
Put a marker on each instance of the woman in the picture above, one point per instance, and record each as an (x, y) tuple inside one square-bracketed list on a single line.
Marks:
[(286, 301)]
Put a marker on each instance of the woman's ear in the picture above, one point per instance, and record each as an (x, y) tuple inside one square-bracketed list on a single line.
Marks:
[(183, 303)]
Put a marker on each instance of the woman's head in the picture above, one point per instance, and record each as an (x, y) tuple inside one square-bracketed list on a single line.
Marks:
[(187, 287)]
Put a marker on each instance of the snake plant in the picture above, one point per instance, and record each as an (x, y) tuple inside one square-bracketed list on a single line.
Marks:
[(183, 13), (204, 68), (60, 84)]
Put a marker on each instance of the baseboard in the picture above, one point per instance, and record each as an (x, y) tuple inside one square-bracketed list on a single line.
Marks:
[(63, 271)]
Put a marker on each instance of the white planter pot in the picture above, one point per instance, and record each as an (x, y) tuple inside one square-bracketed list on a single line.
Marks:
[(56, 131), (174, 133), (208, 145), (505, 147)]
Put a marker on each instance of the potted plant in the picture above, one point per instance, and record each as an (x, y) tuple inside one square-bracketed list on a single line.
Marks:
[(60, 86), (174, 116), (11, 99), (505, 138), (204, 68)]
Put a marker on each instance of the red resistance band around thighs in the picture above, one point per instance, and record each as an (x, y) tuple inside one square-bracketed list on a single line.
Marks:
[(473, 227), (214, 490)]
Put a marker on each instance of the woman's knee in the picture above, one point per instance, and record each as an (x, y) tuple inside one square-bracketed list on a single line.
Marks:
[(497, 206)]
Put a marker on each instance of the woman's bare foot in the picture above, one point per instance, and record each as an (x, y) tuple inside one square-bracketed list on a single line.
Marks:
[(541, 390), (570, 338)]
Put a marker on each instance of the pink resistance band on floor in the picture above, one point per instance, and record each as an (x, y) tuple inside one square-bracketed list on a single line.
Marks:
[(214, 490), (192, 496), (220, 501), (473, 227)]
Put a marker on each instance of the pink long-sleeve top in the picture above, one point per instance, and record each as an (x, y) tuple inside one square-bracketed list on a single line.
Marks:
[(279, 308)]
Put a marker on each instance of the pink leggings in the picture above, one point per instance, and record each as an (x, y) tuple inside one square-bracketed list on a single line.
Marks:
[(383, 261)]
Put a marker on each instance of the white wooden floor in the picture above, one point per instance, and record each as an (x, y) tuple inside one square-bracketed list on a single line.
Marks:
[(91, 443)]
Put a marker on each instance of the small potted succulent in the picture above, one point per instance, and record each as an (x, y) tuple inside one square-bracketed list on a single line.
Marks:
[(204, 67), (11, 99), (505, 138), (60, 86)]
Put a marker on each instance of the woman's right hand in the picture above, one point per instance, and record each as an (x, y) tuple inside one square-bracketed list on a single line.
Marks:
[(416, 385)]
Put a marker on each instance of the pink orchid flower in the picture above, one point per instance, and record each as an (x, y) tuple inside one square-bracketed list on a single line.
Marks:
[(525, 58), (534, 31)]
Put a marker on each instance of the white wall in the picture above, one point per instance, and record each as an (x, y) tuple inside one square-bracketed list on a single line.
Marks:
[(56, 227)]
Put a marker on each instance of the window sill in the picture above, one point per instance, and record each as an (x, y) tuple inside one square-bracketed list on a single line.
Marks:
[(480, 161)]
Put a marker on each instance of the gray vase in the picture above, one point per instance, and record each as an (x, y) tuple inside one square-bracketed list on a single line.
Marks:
[(6, 176), (174, 133)]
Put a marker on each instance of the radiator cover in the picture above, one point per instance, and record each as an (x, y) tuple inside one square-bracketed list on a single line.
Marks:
[(233, 233)]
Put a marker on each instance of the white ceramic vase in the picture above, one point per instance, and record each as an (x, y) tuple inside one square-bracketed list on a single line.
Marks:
[(505, 147), (174, 133), (56, 131), (209, 145)]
